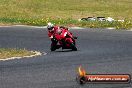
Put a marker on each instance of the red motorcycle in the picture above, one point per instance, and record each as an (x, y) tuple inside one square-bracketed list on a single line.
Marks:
[(63, 39)]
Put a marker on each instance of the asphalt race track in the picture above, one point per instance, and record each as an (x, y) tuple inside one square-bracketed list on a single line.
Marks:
[(100, 51)]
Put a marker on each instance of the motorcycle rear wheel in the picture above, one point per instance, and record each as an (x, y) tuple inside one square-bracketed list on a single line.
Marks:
[(73, 47)]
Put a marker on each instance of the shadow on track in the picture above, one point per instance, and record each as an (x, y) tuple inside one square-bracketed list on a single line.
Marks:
[(64, 51)]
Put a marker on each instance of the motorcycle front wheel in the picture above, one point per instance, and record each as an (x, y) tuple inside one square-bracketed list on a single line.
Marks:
[(52, 48), (53, 45)]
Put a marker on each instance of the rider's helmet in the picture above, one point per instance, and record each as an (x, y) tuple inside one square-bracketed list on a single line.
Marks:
[(50, 26)]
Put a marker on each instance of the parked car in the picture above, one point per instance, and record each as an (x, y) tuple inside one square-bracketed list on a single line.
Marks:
[(110, 19), (101, 18)]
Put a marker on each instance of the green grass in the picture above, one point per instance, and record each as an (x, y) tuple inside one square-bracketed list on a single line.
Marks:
[(127, 24), (13, 52), (65, 8), (39, 12)]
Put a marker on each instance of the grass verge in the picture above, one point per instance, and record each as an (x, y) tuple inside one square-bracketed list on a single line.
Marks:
[(39, 12), (13, 52), (126, 24)]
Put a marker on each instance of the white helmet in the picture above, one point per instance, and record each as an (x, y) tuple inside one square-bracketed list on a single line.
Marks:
[(50, 25)]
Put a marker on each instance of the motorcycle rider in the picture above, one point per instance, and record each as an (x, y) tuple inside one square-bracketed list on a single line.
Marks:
[(54, 33), (52, 30)]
